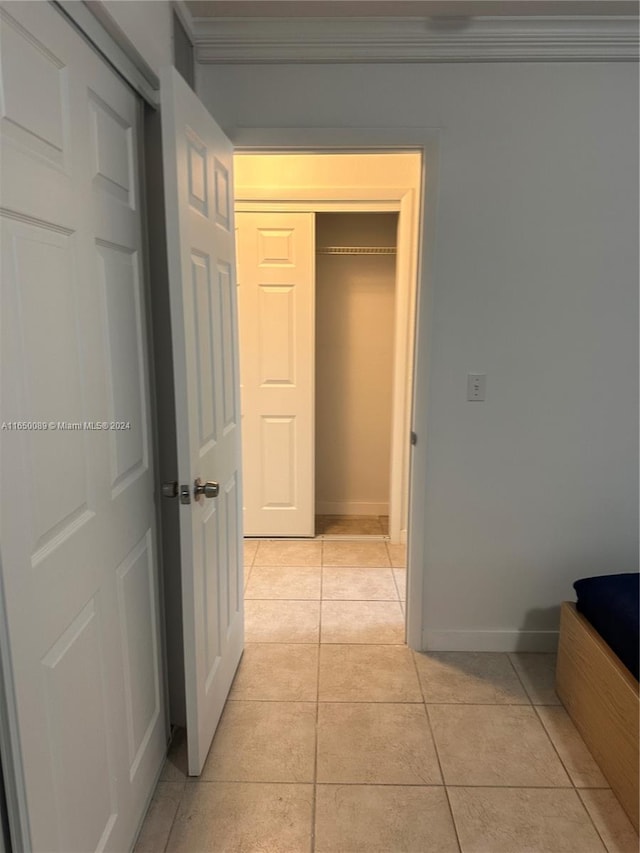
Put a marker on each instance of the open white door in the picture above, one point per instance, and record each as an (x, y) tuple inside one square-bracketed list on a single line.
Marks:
[(277, 351), (202, 282)]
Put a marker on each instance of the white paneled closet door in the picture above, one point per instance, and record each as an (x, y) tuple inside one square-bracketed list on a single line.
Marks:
[(277, 361), (79, 568)]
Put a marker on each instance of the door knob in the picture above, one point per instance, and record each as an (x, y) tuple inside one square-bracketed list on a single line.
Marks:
[(208, 489)]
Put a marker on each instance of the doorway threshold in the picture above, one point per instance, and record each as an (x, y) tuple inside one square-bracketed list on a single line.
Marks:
[(353, 537), (329, 537)]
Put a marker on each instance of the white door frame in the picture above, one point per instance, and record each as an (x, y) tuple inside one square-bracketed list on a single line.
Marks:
[(401, 201), (253, 140)]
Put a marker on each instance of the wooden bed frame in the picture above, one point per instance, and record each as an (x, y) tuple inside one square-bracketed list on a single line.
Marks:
[(601, 697)]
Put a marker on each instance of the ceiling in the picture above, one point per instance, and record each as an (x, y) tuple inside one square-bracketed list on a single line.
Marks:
[(406, 8)]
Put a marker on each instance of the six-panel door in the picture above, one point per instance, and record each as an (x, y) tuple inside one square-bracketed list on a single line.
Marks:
[(79, 563), (277, 358), (201, 251)]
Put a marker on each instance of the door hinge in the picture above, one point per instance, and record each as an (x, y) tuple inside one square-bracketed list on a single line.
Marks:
[(414, 439)]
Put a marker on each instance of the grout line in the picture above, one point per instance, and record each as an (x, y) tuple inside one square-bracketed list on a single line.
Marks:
[(323, 565), (520, 678), (395, 582), (333, 702), (597, 788), (436, 750), (356, 645), (273, 701), (331, 600), (526, 787), (488, 705), (299, 600), (184, 789), (281, 566), (315, 746), (555, 749), (193, 781), (358, 567), (593, 823), (562, 761), (277, 643), (198, 781), (327, 643)]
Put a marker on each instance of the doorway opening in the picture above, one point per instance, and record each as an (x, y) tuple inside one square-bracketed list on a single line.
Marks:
[(326, 341), (355, 307)]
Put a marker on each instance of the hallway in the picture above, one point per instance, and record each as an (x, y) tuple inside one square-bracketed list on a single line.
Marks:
[(338, 739)]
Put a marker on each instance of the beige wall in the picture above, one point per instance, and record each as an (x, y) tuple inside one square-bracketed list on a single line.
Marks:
[(354, 364), (320, 173)]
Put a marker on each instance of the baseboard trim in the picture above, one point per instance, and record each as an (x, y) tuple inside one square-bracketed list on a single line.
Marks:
[(351, 508), (490, 641)]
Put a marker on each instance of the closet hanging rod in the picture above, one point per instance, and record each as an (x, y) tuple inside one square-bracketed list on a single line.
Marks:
[(356, 250)]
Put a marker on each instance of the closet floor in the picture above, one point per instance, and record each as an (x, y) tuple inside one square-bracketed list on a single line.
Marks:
[(352, 525)]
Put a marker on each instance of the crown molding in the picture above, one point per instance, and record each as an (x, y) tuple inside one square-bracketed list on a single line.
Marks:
[(353, 40), (184, 13)]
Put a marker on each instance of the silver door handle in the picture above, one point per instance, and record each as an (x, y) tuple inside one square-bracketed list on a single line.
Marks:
[(209, 489)]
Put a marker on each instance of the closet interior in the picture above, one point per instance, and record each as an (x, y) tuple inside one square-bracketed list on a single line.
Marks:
[(355, 272)]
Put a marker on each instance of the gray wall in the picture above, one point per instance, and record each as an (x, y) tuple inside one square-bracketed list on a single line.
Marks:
[(148, 26), (536, 284)]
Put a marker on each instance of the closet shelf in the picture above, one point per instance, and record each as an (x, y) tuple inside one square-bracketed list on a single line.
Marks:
[(356, 250)]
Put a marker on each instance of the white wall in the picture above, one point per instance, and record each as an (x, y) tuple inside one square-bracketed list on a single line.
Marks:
[(148, 26), (535, 282), (354, 364)]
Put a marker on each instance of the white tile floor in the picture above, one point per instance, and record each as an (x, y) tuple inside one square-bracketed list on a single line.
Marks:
[(336, 738)]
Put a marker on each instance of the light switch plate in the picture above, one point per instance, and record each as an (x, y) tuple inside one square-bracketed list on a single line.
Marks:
[(476, 387)]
